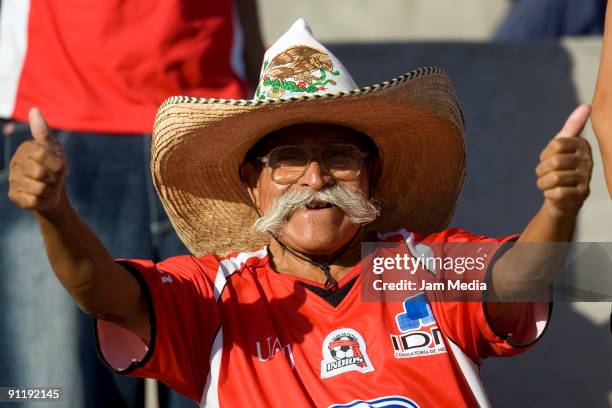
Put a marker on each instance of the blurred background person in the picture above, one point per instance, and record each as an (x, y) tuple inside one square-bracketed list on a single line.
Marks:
[(550, 19), (99, 71)]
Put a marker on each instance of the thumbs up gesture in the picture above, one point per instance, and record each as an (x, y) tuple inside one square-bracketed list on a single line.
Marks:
[(38, 169), (564, 171)]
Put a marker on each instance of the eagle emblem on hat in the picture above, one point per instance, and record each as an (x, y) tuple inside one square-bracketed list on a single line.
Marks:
[(293, 70)]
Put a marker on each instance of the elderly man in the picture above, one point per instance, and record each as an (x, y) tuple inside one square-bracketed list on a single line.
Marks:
[(301, 176)]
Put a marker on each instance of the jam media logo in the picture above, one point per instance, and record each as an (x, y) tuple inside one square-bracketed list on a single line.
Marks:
[(420, 334), (387, 402), (344, 350)]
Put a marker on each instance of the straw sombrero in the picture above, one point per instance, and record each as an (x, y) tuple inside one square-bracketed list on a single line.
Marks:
[(415, 120)]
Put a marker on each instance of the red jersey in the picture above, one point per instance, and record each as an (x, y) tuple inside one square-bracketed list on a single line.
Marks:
[(106, 66), (232, 332)]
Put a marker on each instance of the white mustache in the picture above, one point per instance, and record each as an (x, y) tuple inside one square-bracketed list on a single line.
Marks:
[(352, 202)]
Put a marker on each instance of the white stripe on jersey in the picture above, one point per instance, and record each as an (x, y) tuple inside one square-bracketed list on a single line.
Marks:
[(418, 250), (210, 395), (230, 265), (14, 15), (471, 373)]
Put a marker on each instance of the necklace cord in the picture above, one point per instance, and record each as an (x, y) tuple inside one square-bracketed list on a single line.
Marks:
[(331, 284)]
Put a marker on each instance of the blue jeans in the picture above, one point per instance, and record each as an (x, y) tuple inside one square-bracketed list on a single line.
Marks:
[(44, 339)]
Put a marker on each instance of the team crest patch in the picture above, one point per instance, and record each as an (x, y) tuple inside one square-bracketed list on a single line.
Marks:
[(344, 350), (296, 71), (387, 402)]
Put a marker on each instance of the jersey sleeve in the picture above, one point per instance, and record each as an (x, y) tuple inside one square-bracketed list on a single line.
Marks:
[(467, 323), (184, 320)]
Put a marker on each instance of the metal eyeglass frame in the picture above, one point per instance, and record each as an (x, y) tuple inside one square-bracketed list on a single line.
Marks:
[(361, 155)]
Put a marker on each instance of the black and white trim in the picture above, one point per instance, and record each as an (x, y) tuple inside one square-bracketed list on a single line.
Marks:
[(505, 336), (152, 322), (254, 102)]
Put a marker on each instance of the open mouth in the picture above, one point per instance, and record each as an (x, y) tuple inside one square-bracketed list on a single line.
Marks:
[(317, 205)]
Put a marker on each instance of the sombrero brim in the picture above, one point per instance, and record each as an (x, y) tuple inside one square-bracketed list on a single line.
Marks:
[(198, 145)]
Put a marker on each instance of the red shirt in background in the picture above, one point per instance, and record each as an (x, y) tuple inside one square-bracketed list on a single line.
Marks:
[(106, 66)]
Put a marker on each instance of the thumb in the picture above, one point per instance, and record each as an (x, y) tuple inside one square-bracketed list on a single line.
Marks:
[(40, 129), (575, 122)]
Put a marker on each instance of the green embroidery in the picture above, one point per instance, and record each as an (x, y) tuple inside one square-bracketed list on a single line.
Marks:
[(292, 86), (309, 84), (323, 74), (323, 83)]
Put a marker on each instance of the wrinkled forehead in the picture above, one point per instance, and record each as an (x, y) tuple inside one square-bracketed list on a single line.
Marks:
[(312, 134)]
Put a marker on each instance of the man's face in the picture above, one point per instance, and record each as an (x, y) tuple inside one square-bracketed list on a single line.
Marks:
[(316, 231)]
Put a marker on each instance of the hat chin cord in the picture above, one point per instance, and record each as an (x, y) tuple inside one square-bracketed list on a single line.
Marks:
[(331, 284)]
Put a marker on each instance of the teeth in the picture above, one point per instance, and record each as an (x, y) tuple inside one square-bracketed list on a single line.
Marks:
[(318, 205)]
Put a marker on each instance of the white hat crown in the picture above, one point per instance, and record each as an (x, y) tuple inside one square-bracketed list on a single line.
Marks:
[(298, 65)]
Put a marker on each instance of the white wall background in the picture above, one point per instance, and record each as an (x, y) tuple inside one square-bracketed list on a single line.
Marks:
[(385, 20)]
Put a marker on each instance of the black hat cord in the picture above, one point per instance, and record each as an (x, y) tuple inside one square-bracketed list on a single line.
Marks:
[(331, 284)]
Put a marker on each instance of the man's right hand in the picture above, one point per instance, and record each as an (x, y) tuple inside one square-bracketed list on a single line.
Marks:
[(79, 259), (38, 169)]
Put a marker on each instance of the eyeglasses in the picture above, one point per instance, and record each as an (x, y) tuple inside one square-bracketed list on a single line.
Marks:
[(288, 163)]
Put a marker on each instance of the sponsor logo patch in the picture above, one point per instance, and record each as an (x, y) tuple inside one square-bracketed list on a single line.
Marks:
[(344, 350), (387, 402), (420, 336), (417, 313), (268, 349)]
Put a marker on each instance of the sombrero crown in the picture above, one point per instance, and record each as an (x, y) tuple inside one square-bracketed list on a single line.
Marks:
[(199, 144), (298, 65)]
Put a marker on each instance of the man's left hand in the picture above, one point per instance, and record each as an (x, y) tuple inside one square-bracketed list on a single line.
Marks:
[(565, 167)]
